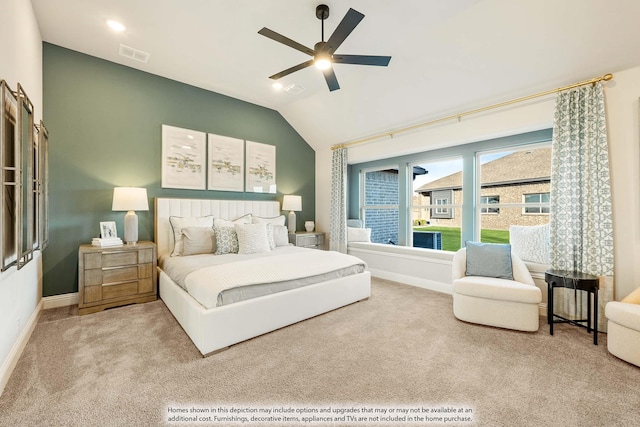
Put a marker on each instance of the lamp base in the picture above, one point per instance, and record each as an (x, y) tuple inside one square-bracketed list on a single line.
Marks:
[(131, 228), (291, 222)]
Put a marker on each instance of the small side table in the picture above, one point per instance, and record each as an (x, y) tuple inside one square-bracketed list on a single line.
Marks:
[(573, 280), (307, 239)]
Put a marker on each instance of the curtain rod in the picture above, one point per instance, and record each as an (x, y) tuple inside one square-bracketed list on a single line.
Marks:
[(458, 116)]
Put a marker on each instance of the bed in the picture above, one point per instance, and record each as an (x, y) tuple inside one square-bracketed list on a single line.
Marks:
[(216, 328)]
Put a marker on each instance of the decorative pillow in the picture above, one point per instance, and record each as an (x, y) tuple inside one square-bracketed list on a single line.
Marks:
[(355, 234), (280, 235), (252, 238), (489, 260), (226, 240), (245, 219), (633, 297), (276, 220), (178, 223), (198, 240), (530, 243)]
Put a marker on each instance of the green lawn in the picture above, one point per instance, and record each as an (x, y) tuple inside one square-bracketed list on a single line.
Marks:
[(451, 236)]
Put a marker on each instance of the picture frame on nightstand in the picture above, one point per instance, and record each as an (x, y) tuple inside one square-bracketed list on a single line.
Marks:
[(108, 229)]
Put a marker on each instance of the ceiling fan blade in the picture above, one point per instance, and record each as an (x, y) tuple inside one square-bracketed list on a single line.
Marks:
[(382, 61), (292, 70), (331, 79), (285, 40), (345, 27)]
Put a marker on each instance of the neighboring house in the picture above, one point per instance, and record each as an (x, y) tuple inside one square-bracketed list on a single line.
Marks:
[(519, 177)]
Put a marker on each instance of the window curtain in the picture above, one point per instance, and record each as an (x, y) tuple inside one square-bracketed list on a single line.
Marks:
[(581, 218), (338, 218)]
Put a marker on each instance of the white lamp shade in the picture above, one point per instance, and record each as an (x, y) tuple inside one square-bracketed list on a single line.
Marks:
[(292, 203), (130, 199)]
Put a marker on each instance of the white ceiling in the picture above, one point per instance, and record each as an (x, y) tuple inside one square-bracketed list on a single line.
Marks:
[(447, 55)]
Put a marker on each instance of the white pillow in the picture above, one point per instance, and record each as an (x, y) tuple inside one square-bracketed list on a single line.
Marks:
[(355, 234), (245, 219), (178, 223), (198, 240), (530, 243), (276, 220), (252, 238), (280, 235)]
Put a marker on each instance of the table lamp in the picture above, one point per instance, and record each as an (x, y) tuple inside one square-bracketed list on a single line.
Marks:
[(292, 203), (130, 199)]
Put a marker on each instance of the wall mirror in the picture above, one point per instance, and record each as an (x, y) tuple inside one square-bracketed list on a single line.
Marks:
[(26, 238), (43, 185), (9, 152)]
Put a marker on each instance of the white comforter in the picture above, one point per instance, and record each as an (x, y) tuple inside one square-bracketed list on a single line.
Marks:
[(205, 284)]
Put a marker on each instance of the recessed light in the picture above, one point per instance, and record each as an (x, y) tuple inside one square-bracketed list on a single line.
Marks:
[(277, 86), (115, 25)]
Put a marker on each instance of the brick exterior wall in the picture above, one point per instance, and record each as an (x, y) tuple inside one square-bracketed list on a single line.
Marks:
[(381, 188), (500, 221)]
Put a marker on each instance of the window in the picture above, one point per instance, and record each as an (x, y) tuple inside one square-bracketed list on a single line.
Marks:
[(449, 195), (489, 200), (380, 204), (541, 202), (436, 204), (514, 185)]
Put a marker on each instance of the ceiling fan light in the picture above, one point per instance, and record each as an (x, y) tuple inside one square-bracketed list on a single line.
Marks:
[(322, 62)]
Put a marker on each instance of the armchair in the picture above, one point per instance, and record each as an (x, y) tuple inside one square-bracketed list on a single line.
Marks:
[(511, 304), (623, 328)]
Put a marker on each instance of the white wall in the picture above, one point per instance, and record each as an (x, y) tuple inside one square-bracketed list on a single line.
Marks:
[(20, 291), (622, 110)]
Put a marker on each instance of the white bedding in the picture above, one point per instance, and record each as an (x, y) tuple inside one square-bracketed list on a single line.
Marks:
[(208, 278)]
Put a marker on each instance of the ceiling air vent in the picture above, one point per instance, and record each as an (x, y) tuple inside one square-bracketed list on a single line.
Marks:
[(294, 89), (135, 54)]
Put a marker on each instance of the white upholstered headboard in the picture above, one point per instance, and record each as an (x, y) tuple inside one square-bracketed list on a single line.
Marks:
[(223, 209)]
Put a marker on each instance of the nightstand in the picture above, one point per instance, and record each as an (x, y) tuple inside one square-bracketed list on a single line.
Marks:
[(305, 239), (114, 276)]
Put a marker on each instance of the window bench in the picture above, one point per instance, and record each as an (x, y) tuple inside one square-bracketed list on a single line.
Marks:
[(425, 268)]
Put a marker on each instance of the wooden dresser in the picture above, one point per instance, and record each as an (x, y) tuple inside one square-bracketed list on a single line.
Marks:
[(114, 276)]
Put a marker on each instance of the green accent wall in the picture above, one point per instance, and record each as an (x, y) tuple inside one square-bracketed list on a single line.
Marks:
[(104, 123)]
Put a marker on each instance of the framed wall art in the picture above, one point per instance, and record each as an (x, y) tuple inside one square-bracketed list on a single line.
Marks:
[(261, 168), (183, 158), (225, 163)]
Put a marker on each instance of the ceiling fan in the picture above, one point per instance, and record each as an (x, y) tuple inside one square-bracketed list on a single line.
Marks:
[(323, 53)]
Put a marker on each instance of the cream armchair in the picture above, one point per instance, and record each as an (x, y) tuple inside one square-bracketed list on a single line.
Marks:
[(511, 304), (623, 328)]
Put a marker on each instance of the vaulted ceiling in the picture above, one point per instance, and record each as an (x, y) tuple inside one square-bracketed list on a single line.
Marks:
[(447, 55)]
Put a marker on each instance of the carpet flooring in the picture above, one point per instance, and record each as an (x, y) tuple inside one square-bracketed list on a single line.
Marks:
[(399, 356)]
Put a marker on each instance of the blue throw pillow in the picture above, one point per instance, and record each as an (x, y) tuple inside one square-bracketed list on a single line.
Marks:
[(489, 260)]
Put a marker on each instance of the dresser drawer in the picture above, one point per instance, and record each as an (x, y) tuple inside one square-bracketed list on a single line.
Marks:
[(120, 290), (307, 240), (311, 240)]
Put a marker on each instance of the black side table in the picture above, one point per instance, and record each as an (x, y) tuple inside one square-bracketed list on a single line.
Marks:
[(573, 280)]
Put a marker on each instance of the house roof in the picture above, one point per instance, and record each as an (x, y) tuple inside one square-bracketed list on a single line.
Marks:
[(446, 56), (517, 167)]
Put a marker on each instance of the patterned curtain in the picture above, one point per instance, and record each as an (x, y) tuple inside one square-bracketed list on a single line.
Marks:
[(338, 226), (581, 221)]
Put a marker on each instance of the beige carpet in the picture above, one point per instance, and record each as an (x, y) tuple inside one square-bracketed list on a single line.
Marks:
[(401, 348)]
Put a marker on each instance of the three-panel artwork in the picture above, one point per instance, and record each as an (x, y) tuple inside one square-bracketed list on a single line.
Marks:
[(198, 161)]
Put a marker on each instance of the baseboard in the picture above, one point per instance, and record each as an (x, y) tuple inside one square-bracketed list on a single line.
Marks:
[(432, 285), (63, 300), (16, 351)]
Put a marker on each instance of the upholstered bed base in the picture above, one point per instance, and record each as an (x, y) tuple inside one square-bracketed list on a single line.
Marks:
[(219, 327), (216, 328)]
